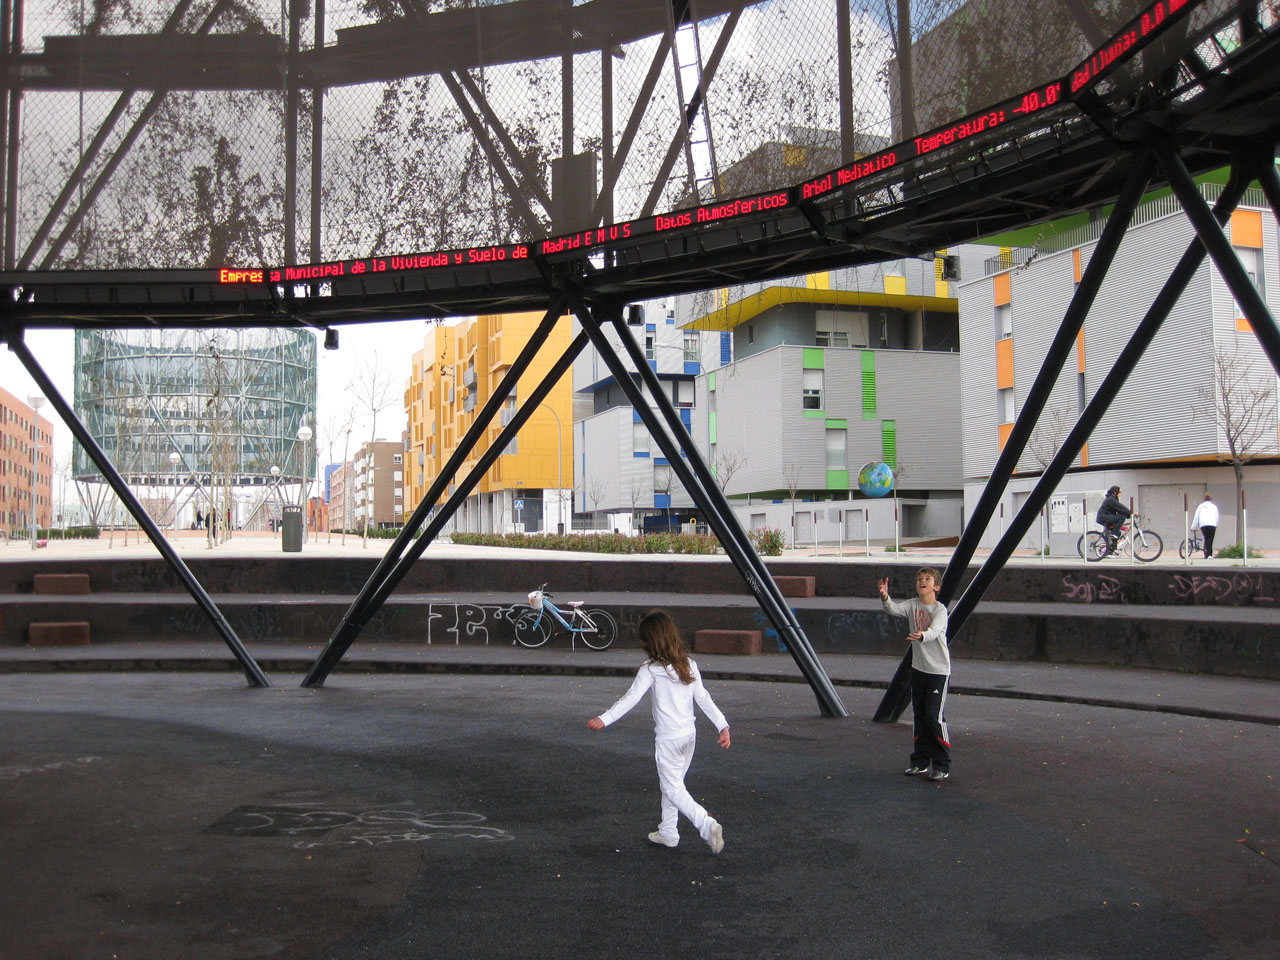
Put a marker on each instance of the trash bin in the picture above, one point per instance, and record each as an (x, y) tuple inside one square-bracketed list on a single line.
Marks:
[(291, 529)]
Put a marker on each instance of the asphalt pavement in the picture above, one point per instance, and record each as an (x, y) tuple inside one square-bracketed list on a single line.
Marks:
[(450, 802)]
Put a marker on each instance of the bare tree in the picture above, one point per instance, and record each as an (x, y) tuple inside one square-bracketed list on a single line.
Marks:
[(636, 491), (730, 458), (373, 388), (346, 481), (334, 426), (1050, 430), (596, 489), (662, 487), (1242, 405), (791, 477)]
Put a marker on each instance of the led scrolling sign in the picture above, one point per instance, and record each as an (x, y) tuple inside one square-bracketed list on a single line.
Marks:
[(1141, 30)]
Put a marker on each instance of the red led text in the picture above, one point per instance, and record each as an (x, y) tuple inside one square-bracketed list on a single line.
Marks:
[(587, 238), (960, 131), (738, 208), (1039, 99), (226, 275)]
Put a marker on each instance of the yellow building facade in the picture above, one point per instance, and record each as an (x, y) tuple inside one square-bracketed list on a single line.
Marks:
[(453, 377)]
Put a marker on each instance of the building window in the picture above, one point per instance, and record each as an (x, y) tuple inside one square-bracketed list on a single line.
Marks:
[(1004, 322), (397, 458), (1251, 260), (684, 393), (691, 344), (840, 328), (1004, 405), (751, 333), (812, 389), (650, 350), (662, 478), (837, 449), (639, 439)]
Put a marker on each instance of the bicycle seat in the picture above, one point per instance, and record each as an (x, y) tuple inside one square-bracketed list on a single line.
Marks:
[(574, 603)]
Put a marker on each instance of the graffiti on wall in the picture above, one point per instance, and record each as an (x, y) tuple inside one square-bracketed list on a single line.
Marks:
[(1088, 588), (1224, 588), (471, 622)]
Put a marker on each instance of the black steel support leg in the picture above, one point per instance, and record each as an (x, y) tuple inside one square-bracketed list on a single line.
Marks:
[(1059, 350), (754, 572), (375, 593), (1097, 407), (358, 612), (897, 697), (1209, 230), (253, 673), (707, 493)]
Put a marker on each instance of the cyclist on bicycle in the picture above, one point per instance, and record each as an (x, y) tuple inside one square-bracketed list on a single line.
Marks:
[(1111, 515)]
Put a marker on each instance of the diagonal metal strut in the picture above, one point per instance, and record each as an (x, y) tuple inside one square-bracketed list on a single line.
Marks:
[(253, 673), (697, 482), (405, 550)]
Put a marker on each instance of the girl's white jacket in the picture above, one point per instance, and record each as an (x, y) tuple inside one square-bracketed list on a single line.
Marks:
[(673, 701)]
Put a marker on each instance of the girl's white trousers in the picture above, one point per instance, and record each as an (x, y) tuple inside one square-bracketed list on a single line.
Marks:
[(673, 758)]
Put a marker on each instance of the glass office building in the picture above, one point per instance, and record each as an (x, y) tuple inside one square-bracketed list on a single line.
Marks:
[(228, 402)]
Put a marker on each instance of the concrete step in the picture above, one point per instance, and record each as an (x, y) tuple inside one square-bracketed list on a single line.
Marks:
[(1236, 641)]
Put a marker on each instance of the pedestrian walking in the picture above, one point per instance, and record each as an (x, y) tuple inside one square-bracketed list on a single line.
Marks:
[(1206, 521), (673, 677)]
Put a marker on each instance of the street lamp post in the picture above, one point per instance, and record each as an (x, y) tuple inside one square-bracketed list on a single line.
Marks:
[(174, 459), (275, 483), (304, 435), (36, 402), (559, 465)]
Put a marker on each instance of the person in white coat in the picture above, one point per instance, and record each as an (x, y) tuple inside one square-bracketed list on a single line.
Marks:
[(1206, 521), (673, 677)]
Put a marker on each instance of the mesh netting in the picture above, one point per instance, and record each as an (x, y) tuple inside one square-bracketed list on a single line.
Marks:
[(162, 135)]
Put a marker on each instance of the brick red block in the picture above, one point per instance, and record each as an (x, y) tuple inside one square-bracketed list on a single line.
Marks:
[(69, 634), (738, 642), (62, 583), (797, 586)]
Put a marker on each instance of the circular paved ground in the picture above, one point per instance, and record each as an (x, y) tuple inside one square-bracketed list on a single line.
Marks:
[(171, 815)]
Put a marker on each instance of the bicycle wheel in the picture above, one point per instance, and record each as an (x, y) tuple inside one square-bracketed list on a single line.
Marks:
[(1147, 546), (606, 630), (532, 629), (1185, 547), (1093, 546)]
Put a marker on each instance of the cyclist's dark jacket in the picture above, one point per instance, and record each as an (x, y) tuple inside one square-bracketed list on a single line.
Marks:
[(1112, 510)]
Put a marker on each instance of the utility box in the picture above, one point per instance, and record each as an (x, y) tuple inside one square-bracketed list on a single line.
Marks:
[(291, 529)]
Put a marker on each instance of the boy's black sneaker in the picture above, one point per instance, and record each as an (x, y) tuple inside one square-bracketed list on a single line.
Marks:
[(939, 774), (914, 771)]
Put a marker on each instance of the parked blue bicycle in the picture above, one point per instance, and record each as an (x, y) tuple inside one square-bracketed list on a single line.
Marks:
[(534, 627)]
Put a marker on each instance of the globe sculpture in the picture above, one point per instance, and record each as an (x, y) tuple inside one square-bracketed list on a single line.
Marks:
[(875, 479)]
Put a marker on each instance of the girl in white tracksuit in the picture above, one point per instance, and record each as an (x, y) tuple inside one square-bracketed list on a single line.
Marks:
[(676, 684)]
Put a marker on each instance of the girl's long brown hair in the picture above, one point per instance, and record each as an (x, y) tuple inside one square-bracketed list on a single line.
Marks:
[(662, 641)]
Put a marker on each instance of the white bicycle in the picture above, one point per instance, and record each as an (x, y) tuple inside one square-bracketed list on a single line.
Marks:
[(596, 628)]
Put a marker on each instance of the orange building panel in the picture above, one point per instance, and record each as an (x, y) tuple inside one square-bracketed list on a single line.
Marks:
[(1004, 363), (1246, 228), (1001, 281)]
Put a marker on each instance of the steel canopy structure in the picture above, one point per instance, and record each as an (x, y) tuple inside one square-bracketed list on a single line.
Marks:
[(1183, 88)]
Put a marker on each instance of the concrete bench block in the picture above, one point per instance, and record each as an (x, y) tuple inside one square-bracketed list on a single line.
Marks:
[(70, 634), (62, 583), (738, 642), (797, 586)]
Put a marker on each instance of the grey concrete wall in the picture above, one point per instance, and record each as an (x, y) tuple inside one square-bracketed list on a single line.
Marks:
[(1196, 619)]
